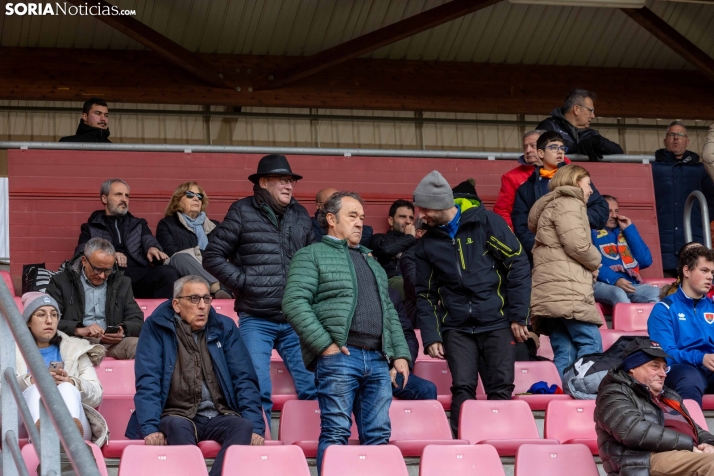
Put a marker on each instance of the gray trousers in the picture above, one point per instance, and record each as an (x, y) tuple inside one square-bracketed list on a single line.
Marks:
[(187, 264)]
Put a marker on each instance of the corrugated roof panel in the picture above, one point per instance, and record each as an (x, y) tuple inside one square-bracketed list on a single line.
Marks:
[(282, 27)]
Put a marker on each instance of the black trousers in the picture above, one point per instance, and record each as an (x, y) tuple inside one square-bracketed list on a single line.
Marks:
[(152, 283), (225, 429), (463, 350)]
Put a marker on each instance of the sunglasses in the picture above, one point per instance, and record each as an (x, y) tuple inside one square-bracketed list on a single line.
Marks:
[(191, 194)]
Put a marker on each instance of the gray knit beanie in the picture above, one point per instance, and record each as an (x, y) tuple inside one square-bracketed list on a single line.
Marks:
[(434, 192), (31, 302)]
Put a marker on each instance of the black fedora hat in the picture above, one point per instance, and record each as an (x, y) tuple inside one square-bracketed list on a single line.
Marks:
[(273, 164)]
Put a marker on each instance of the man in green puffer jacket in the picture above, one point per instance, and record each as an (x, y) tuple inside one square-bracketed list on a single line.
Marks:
[(336, 299)]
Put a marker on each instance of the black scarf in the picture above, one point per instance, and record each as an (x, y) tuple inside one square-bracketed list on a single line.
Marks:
[(263, 196)]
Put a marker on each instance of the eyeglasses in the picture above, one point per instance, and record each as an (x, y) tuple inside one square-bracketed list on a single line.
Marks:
[(195, 299), (106, 271), (591, 110), (286, 180), (191, 194), (556, 148), (42, 315), (672, 135)]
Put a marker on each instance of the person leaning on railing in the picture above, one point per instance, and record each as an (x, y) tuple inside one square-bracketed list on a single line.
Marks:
[(76, 381)]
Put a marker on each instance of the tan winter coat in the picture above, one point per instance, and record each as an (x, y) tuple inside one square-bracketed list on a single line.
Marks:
[(563, 259)]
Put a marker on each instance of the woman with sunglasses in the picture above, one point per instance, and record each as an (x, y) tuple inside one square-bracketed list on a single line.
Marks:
[(183, 234)]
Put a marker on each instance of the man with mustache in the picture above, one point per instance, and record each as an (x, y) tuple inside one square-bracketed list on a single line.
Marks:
[(94, 125), (138, 252)]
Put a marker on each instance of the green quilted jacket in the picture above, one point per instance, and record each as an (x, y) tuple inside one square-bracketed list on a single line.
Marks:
[(320, 299)]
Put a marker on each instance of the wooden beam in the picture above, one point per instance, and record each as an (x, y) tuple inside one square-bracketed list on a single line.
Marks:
[(164, 47), (372, 41), (664, 32), (140, 77)]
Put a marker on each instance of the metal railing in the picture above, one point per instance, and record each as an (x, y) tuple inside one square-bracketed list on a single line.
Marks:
[(704, 213), (53, 410)]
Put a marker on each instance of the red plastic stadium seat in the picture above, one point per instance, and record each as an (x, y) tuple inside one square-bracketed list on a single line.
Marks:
[(8, 282), (158, 460), (456, 460), (610, 336), (696, 413), (148, 306), (270, 461), (225, 307), (659, 282), (418, 423), (631, 316), (708, 402), (554, 460), (437, 372), (378, 460), (528, 373), (300, 426), (503, 424), (571, 422), (282, 382), (31, 459)]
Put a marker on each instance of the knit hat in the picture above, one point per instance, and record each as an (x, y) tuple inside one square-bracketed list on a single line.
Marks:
[(31, 302), (640, 351), (434, 192)]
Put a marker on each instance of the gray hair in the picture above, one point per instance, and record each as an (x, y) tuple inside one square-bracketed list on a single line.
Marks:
[(98, 244), (575, 97), (191, 278), (107, 185), (334, 205), (677, 123), (537, 132)]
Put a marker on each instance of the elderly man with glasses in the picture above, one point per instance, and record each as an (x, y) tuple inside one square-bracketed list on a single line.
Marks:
[(250, 253), (572, 121), (96, 300), (194, 377)]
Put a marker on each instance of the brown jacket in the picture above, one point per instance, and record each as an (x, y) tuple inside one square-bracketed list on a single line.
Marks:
[(563, 259)]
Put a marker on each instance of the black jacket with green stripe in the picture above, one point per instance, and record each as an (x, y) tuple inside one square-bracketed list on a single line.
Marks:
[(479, 281)]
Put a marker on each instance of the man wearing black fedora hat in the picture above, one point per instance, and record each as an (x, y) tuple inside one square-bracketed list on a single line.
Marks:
[(643, 427), (250, 254)]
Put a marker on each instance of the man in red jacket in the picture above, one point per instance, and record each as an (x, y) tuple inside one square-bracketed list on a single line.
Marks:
[(511, 180)]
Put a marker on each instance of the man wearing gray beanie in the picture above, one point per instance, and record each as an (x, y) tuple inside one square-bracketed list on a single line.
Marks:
[(473, 285)]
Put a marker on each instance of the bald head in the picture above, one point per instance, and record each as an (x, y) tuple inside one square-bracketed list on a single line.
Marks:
[(323, 195)]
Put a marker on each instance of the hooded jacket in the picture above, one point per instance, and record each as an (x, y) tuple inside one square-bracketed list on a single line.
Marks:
[(630, 426), (573, 136), (530, 192), (510, 181), (673, 181), (86, 133), (121, 308), (563, 259), (479, 281), (156, 355), (175, 235)]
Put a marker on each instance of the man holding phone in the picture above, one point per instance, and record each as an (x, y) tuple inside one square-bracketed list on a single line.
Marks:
[(624, 254), (96, 300)]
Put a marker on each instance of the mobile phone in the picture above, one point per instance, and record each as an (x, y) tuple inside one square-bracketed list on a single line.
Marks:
[(112, 330), (56, 365)]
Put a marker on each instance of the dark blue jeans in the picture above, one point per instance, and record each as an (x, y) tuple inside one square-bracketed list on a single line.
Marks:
[(417, 388), (690, 381), (358, 383), (571, 340), (260, 337)]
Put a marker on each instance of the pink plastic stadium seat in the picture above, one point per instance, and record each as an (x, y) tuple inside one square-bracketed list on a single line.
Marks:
[(210, 448), (265, 461), (300, 426), (528, 373), (117, 377), (282, 382), (148, 306), (659, 282), (381, 460), (631, 316), (545, 349), (610, 336), (159, 460), (437, 372), (503, 424), (696, 413), (118, 383), (603, 309), (460, 460), (708, 402), (8, 282), (420, 354), (418, 423), (225, 307), (31, 460), (571, 422), (554, 460)]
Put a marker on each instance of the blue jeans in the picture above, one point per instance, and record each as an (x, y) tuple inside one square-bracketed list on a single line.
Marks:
[(690, 381), (260, 337), (571, 340), (609, 294), (417, 388), (358, 383)]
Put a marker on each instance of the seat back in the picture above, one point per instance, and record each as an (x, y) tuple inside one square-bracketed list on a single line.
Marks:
[(453, 460), (265, 461), (570, 419), (418, 420), (281, 380), (528, 373), (225, 307), (353, 460), (142, 460), (117, 377), (29, 455), (610, 336), (300, 421), (117, 411), (8, 282), (545, 349), (148, 306), (437, 372), (496, 420), (631, 316), (555, 460), (659, 282), (696, 413)]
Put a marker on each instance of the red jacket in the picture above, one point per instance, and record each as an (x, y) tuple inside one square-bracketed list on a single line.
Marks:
[(510, 181)]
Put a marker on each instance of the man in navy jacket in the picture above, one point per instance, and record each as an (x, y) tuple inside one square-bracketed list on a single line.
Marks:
[(195, 380)]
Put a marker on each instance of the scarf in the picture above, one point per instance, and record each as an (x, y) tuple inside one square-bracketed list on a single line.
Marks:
[(197, 225), (547, 173), (263, 196)]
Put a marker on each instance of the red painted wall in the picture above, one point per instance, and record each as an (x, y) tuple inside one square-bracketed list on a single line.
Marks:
[(53, 192)]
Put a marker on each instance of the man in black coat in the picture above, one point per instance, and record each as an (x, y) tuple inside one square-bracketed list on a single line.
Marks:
[(572, 121), (94, 125), (96, 301), (138, 252), (250, 253), (643, 427)]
